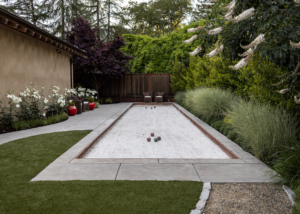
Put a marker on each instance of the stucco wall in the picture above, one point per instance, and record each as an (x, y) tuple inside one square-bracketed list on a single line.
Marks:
[(24, 59)]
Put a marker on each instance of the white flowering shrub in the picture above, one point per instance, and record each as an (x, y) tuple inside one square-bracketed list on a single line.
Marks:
[(86, 93), (8, 114), (32, 103)]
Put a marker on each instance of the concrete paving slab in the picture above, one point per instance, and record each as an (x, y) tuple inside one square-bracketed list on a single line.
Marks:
[(160, 172), (252, 160), (116, 160), (234, 173), (63, 172), (62, 160), (192, 161)]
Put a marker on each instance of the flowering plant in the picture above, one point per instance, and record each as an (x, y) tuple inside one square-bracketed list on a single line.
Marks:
[(31, 105)]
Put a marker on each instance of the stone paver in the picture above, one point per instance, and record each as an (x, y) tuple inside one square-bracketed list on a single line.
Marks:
[(62, 172), (161, 172), (233, 172)]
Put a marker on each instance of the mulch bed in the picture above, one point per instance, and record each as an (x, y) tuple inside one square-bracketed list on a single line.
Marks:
[(247, 198)]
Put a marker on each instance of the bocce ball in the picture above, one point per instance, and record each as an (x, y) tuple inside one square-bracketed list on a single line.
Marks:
[(152, 134), (155, 139), (159, 138), (148, 139)]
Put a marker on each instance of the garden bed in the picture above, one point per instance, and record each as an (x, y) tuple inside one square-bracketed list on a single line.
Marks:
[(38, 123)]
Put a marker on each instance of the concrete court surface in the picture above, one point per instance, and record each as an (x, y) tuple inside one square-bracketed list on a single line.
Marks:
[(67, 167)]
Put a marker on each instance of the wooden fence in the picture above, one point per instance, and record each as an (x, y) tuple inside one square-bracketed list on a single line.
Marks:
[(130, 87)]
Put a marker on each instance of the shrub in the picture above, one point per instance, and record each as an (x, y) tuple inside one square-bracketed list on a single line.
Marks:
[(211, 102), (263, 130), (97, 105), (188, 100), (91, 99), (71, 103), (108, 101), (179, 97), (20, 125), (287, 164), (217, 125), (62, 116)]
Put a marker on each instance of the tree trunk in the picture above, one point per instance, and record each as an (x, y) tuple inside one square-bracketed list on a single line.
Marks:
[(98, 20), (62, 20), (32, 11), (108, 25)]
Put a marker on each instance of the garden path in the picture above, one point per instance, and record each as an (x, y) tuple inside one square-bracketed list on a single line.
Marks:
[(86, 121)]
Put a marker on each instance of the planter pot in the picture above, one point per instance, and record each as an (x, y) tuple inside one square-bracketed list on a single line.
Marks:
[(92, 106), (72, 110)]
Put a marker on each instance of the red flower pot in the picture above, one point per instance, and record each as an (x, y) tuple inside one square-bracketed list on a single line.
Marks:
[(92, 106), (72, 110)]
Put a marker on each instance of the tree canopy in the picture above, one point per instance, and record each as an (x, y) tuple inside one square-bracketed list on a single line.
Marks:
[(104, 60)]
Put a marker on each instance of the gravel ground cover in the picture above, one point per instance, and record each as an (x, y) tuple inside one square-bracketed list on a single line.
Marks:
[(180, 137), (247, 198)]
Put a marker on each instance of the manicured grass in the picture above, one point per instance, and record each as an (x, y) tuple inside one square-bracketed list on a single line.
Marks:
[(23, 159)]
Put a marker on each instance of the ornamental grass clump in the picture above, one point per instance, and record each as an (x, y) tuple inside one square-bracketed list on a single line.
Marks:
[(211, 102), (188, 101), (263, 130), (179, 97)]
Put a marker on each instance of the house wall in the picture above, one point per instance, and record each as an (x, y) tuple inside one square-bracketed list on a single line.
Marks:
[(24, 59)]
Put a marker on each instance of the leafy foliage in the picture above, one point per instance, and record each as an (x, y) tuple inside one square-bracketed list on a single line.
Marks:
[(156, 55), (104, 60), (155, 18)]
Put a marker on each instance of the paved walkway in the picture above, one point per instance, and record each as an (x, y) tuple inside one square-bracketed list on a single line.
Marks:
[(68, 167), (85, 121)]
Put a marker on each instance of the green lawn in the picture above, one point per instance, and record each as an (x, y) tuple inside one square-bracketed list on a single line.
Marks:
[(23, 159)]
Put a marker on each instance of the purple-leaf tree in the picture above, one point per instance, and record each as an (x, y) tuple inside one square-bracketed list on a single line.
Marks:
[(104, 60)]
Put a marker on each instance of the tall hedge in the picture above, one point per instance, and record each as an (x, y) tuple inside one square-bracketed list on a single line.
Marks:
[(156, 55)]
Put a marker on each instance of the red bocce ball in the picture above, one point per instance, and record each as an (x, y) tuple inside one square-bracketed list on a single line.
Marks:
[(152, 134), (159, 138), (148, 139)]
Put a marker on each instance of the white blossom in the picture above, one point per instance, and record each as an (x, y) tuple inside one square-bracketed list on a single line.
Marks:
[(195, 29), (248, 52), (215, 52), (283, 91), (44, 115), (230, 6), (214, 31), (296, 98), (295, 45), (256, 42), (244, 15), (190, 40), (46, 107), (196, 51), (45, 101), (17, 105), (229, 14), (241, 63)]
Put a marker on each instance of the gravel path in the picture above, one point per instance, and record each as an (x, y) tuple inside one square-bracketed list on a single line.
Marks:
[(247, 198)]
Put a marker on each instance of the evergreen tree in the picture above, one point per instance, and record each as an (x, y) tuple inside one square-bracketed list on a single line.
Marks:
[(30, 10), (156, 18)]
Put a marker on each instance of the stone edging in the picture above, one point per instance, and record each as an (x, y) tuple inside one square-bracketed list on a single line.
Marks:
[(290, 193), (203, 198)]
